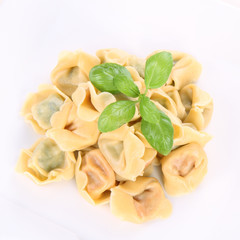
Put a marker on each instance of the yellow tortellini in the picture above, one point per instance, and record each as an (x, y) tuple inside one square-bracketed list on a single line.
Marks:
[(94, 176), (173, 93), (77, 134), (140, 201), (46, 162), (160, 97), (112, 55), (191, 134), (124, 151), (89, 103), (48, 108), (137, 63), (184, 169), (185, 70), (72, 68), (198, 105)]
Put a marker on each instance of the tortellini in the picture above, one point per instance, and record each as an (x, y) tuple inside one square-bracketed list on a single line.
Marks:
[(184, 169), (72, 68), (186, 69), (137, 63), (117, 167), (77, 134), (112, 55), (159, 96), (140, 201), (94, 177), (198, 104), (45, 162), (124, 151), (44, 108), (191, 134), (173, 93), (89, 103)]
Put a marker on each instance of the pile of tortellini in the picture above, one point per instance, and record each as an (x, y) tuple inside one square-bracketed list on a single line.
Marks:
[(116, 167)]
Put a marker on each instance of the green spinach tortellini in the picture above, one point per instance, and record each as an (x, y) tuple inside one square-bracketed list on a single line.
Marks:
[(48, 155), (45, 162), (46, 109)]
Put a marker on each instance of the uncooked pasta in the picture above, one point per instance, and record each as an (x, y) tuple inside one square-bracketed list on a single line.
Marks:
[(107, 120)]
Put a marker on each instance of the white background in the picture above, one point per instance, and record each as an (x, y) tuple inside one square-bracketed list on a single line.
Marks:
[(32, 33)]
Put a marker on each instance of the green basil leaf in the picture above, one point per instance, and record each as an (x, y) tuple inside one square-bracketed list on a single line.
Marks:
[(157, 70), (159, 134), (148, 110), (115, 115), (126, 85), (102, 76)]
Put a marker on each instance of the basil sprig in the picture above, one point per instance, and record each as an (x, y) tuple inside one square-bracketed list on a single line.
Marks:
[(155, 124)]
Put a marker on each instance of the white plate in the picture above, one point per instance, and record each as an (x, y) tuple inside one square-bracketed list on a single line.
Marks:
[(32, 35)]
